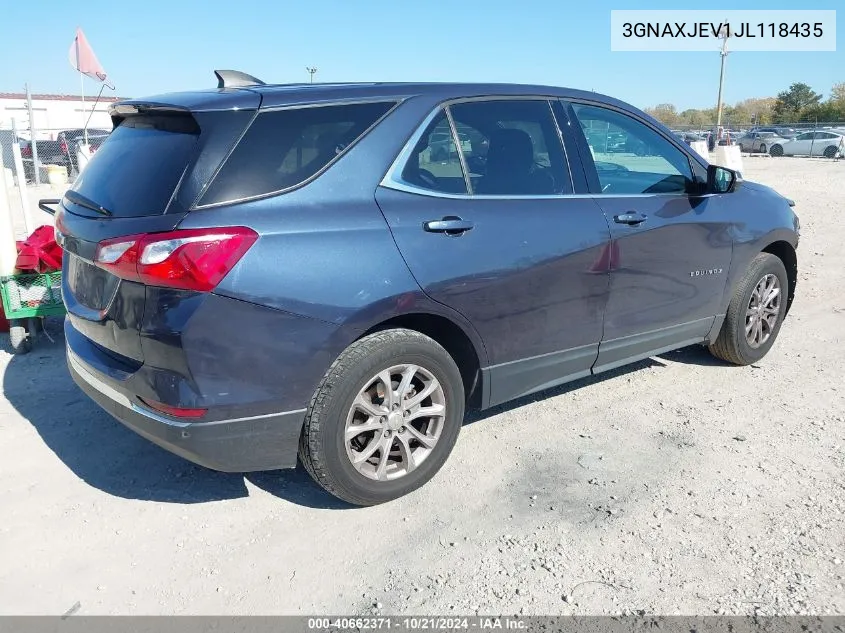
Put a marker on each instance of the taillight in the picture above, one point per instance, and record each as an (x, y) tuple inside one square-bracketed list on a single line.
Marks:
[(26, 151), (191, 259), (176, 412), (63, 145), (59, 229)]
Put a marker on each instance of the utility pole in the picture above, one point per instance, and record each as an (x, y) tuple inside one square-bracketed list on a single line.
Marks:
[(311, 71), (35, 170), (724, 34)]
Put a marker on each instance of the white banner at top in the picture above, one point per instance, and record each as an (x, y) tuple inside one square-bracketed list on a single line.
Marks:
[(751, 30)]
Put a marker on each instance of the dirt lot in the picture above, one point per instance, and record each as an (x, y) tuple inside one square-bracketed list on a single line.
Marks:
[(678, 485)]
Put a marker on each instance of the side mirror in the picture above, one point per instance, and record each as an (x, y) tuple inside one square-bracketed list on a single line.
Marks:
[(722, 179)]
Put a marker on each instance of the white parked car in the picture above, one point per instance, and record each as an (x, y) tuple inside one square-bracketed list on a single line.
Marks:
[(818, 143)]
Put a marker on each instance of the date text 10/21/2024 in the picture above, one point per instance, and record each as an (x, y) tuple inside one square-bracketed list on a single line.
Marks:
[(417, 623)]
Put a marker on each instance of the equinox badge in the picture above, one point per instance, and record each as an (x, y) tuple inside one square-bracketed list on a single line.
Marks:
[(706, 271)]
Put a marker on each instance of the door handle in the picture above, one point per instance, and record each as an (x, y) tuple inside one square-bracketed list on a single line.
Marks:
[(632, 218), (450, 225)]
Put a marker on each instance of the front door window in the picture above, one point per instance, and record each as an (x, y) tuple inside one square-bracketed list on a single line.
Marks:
[(630, 157)]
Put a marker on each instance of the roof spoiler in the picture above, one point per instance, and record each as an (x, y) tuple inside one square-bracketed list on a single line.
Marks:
[(235, 79)]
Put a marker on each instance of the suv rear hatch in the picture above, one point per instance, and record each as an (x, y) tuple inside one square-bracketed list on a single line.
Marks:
[(142, 180)]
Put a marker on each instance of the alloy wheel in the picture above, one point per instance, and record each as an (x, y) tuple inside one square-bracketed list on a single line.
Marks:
[(395, 422), (763, 311)]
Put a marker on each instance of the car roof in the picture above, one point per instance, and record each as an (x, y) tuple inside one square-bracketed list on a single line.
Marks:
[(292, 94)]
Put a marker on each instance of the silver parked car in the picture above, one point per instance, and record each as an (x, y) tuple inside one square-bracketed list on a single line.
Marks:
[(759, 141)]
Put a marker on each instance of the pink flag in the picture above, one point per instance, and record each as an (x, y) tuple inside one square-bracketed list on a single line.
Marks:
[(82, 58)]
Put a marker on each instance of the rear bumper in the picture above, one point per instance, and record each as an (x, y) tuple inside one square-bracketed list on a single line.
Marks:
[(256, 443)]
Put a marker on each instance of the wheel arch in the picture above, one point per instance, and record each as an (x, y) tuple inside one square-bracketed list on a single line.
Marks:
[(784, 251), (454, 339)]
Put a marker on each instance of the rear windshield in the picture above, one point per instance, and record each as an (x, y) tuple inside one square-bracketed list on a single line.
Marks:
[(284, 148), (136, 169)]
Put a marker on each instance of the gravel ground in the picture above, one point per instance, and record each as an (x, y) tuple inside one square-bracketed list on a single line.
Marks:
[(676, 485)]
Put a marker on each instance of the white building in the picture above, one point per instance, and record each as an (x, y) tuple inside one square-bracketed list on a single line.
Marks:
[(53, 113)]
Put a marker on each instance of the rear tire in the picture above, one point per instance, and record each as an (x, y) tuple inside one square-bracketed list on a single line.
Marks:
[(19, 339), (763, 149), (352, 443), (830, 151), (740, 341)]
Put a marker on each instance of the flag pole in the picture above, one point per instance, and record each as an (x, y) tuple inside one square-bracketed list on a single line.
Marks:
[(94, 105), (82, 94), (81, 90)]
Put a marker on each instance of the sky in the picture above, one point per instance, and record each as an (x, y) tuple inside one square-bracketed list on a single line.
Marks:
[(159, 46)]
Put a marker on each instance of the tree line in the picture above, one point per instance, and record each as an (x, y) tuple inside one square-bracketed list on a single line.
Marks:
[(797, 104)]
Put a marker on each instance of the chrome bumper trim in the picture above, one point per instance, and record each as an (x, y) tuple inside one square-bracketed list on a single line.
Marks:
[(111, 393)]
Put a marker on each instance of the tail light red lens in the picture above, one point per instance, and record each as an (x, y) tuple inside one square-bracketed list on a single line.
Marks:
[(191, 259), (63, 145), (176, 412), (26, 151)]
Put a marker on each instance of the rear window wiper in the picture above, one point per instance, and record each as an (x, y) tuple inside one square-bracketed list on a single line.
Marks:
[(82, 201)]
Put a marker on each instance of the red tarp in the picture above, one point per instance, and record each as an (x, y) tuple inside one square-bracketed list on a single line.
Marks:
[(39, 253)]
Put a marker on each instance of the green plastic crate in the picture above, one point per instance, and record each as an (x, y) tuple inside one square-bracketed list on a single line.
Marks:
[(26, 296)]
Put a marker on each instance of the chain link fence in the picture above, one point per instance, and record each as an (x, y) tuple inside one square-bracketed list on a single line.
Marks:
[(824, 138), (52, 148), (34, 169), (799, 126)]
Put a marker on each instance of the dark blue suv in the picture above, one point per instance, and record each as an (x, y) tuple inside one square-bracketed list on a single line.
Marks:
[(338, 271)]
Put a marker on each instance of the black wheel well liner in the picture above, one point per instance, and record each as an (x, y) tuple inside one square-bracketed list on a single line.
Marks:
[(786, 253), (453, 339)]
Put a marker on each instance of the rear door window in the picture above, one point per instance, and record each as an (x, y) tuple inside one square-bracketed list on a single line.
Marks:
[(512, 147), (284, 148), (136, 169), (435, 163)]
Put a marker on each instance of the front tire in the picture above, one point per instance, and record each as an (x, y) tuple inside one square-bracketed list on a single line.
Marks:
[(755, 313), (777, 150), (384, 418)]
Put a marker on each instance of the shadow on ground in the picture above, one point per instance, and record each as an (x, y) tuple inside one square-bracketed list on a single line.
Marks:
[(110, 457), (694, 355)]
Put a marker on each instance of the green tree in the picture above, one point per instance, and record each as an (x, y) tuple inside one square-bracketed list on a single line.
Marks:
[(828, 112), (837, 94), (738, 114), (835, 105), (666, 113), (795, 102), (758, 108), (693, 117)]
